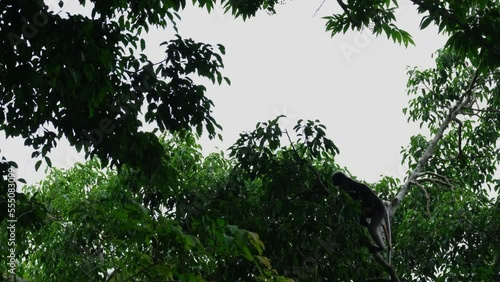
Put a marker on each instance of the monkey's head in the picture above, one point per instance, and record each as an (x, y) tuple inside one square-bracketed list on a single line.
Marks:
[(338, 178)]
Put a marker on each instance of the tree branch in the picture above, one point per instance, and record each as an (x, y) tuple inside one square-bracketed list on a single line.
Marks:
[(429, 151), (394, 276), (433, 180), (346, 11), (319, 8), (427, 198), (440, 179)]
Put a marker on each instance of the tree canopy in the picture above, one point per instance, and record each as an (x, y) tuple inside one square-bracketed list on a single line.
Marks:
[(148, 206)]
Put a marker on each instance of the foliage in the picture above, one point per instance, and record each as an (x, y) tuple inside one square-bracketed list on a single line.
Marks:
[(228, 219), (267, 211), (452, 217), (201, 218), (98, 230), (472, 25), (470, 147), (82, 78), (87, 84), (379, 16)]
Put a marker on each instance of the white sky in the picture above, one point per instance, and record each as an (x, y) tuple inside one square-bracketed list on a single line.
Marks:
[(288, 64)]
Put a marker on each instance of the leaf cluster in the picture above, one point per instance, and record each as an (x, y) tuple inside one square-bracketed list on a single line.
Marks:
[(472, 26), (379, 16), (81, 79)]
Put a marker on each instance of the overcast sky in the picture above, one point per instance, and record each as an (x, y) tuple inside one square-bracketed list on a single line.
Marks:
[(288, 64)]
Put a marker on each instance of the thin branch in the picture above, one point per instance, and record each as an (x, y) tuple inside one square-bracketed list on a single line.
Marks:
[(427, 198), (437, 179), (26, 212), (374, 250), (312, 192), (394, 276), (289, 164), (426, 87), (434, 180), (483, 110), (460, 154), (346, 11), (319, 8), (423, 173)]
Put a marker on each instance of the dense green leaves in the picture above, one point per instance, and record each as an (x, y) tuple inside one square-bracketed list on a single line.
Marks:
[(213, 218), (472, 26), (378, 16), (97, 229), (471, 143), (202, 218), (451, 214), (79, 78)]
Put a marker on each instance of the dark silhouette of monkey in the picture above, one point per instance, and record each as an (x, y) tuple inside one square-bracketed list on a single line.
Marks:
[(373, 208)]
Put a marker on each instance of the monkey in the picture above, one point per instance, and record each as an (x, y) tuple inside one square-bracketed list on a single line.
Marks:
[(372, 207)]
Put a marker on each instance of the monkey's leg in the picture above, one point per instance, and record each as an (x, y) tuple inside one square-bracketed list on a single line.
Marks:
[(374, 228)]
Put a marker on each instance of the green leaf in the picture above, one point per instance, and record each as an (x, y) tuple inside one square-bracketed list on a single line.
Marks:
[(143, 44), (425, 21), (37, 165)]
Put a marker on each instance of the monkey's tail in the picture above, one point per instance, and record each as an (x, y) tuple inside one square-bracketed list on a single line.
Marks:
[(388, 236)]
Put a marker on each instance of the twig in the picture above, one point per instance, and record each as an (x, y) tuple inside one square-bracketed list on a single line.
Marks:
[(484, 110), (427, 197), (434, 181), (312, 192), (444, 178), (459, 136), (317, 10)]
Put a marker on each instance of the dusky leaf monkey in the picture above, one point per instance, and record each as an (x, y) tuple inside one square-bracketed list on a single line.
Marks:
[(373, 208)]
